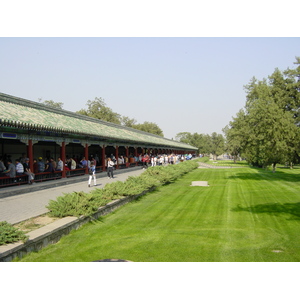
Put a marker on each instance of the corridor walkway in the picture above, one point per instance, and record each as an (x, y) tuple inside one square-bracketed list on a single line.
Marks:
[(33, 199)]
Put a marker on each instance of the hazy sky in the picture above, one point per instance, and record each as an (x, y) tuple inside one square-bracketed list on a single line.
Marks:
[(181, 84), (136, 61)]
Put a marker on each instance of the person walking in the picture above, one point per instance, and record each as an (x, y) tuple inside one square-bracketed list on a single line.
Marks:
[(110, 168), (92, 174)]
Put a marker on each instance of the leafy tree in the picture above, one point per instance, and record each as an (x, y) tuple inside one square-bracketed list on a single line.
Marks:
[(149, 127), (184, 137), (98, 109), (217, 144), (271, 133), (205, 143), (267, 130), (52, 103), (234, 133), (126, 121)]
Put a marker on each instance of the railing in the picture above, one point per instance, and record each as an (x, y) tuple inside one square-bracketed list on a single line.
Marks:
[(6, 181), (121, 166), (133, 165), (76, 172), (22, 179), (99, 169), (48, 176)]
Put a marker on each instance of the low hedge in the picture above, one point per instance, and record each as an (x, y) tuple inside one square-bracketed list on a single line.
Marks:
[(85, 204), (10, 234)]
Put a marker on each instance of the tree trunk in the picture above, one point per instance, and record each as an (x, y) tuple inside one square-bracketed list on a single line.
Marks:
[(274, 167)]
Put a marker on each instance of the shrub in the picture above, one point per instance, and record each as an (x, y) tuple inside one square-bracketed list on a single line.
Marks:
[(73, 204), (204, 159), (10, 234), (77, 204)]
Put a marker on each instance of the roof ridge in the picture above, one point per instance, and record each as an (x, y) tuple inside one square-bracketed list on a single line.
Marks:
[(41, 106)]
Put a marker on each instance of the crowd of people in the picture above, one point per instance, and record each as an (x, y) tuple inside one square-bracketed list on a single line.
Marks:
[(162, 159), (21, 166)]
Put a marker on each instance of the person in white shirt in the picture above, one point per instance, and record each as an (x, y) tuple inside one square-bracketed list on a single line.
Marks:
[(92, 173), (60, 165), (19, 167), (110, 168)]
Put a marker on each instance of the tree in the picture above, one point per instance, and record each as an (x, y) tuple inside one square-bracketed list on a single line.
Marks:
[(184, 137), (205, 143), (126, 121), (98, 109), (217, 144), (149, 127), (267, 130), (51, 103), (234, 133), (271, 133)]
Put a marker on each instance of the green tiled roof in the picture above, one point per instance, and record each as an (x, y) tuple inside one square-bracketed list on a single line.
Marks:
[(21, 113)]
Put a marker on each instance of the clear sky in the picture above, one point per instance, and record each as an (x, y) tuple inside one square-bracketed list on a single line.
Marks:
[(180, 65), (181, 84)]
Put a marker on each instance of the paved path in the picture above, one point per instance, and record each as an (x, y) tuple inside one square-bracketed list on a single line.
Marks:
[(204, 165), (33, 201)]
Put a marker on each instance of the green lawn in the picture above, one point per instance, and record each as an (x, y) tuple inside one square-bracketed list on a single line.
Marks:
[(245, 214)]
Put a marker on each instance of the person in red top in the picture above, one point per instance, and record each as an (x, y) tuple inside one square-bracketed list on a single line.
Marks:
[(145, 160)]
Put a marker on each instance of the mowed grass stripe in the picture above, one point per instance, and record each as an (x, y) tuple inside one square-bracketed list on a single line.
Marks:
[(265, 192), (244, 215)]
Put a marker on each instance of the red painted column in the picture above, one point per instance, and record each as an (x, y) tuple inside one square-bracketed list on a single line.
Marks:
[(117, 156), (103, 158), (86, 154), (30, 154), (63, 158), (136, 155), (127, 155)]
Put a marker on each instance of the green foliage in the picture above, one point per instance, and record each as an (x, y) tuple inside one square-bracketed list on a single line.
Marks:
[(51, 103), (74, 204), (149, 127), (267, 131), (128, 122), (97, 109), (10, 234), (80, 203), (217, 144), (207, 144), (204, 159)]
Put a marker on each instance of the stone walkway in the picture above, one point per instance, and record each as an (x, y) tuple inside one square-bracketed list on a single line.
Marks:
[(204, 165), (34, 198)]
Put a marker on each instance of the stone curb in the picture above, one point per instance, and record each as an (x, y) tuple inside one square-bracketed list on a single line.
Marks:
[(52, 233)]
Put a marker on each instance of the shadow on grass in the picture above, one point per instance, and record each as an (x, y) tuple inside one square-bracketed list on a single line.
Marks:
[(266, 175), (292, 209)]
